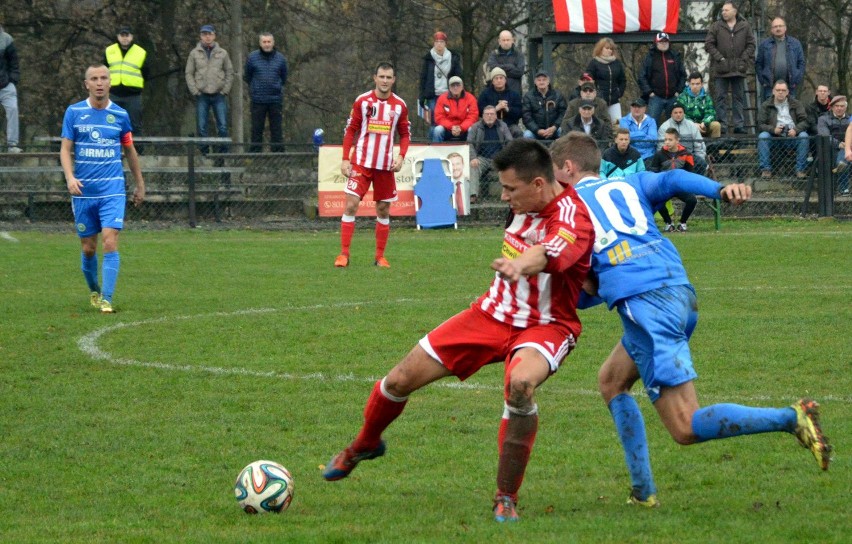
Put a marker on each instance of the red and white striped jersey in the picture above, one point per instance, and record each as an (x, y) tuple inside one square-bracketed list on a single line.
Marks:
[(370, 130), (564, 228)]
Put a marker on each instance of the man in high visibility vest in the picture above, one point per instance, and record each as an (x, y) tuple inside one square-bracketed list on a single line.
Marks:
[(128, 71)]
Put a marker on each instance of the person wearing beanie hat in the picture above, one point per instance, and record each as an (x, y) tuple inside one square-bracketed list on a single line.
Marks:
[(128, 67), (439, 65), (509, 59), (506, 102), (209, 76)]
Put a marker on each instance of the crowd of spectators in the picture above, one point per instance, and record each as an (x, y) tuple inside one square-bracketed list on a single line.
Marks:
[(670, 97)]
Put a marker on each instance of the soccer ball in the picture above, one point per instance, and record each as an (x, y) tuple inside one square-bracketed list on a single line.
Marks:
[(263, 487)]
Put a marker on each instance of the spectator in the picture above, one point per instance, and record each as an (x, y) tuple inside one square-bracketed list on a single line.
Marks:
[(455, 112), (588, 91), (673, 155), (509, 59), (698, 107), (209, 75), (128, 70), (486, 138), (662, 77), (10, 74), (643, 129), (780, 57), (575, 93), (266, 75), (588, 123), (782, 121), (621, 159), (835, 124), (730, 43), (506, 102), (439, 65), (544, 108), (688, 135), (848, 145), (820, 105), (608, 74)]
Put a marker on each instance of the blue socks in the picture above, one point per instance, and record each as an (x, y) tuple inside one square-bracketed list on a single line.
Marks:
[(631, 431), (89, 265), (727, 420), (110, 274)]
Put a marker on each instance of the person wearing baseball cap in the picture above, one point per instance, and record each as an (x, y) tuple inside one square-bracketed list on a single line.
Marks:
[(662, 77), (506, 102), (543, 109), (439, 65), (455, 112), (642, 127), (588, 122), (128, 70), (209, 75)]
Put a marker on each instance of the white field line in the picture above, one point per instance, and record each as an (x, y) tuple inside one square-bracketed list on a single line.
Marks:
[(88, 344), (8, 237)]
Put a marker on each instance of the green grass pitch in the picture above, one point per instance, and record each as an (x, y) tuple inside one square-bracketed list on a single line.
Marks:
[(233, 346)]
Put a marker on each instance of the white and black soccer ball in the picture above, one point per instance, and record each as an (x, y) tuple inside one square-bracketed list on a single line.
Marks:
[(263, 487)]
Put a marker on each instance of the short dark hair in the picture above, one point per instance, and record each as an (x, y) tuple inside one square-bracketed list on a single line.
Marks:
[(677, 105), (622, 130), (527, 157), (695, 75), (385, 65), (672, 130), (777, 81), (577, 147)]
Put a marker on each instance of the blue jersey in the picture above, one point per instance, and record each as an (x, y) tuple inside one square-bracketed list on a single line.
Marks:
[(630, 254), (97, 136)]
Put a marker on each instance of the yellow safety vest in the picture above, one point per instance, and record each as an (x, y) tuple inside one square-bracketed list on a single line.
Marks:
[(126, 70)]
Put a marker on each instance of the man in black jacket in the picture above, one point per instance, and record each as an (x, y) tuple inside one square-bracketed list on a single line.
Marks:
[(662, 77)]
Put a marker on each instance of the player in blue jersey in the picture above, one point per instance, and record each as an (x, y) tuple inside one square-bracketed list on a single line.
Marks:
[(639, 272), (94, 132)]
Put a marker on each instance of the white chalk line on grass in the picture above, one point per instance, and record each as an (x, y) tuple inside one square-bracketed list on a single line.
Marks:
[(8, 237), (88, 344)]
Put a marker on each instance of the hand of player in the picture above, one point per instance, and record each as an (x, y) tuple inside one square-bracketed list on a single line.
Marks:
[(346, 168), (506, 268), (849, 154), (139, 195), (736, 193), (74, 186), (590, 285), (397, 163)]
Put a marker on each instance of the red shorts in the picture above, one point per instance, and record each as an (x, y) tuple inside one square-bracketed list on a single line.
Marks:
[(472, 339), (384, 183)]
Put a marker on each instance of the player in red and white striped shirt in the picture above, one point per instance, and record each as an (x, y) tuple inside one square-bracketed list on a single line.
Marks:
[(527, 320), (368, 158)]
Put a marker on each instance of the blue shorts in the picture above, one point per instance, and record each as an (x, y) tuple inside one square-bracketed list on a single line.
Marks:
[(91, 215), (657, 328)]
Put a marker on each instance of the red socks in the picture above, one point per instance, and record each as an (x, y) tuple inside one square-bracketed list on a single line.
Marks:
[(379, 413)]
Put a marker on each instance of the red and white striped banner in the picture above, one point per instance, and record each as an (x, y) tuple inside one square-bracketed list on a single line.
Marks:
[(616, 16)]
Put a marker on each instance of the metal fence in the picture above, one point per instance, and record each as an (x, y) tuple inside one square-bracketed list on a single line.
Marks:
[(191, 181)]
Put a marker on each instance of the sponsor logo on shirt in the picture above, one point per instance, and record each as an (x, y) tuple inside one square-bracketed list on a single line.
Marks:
[(97, 153), (512, 247), (377, 126)]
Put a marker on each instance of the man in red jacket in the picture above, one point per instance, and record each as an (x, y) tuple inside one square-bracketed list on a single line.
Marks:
[(455, 112)]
